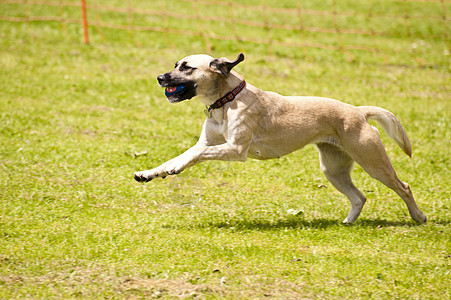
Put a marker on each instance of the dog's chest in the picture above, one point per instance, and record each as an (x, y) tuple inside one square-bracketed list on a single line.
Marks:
[(259, 148)]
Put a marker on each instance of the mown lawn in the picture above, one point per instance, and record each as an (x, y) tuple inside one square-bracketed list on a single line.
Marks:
[(76, 121)]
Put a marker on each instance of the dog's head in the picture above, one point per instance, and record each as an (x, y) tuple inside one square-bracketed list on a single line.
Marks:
[(195, 75)]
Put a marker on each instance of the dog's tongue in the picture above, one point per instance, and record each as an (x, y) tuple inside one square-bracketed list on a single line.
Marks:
[(169, 91)]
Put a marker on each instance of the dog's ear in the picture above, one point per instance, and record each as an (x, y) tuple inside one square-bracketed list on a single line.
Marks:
[(224, 65)]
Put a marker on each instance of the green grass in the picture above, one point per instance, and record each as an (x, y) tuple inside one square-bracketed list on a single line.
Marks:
[(76, 121)]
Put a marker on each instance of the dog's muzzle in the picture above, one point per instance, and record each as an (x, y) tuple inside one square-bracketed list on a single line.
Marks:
[(162, 78), (176, 89)]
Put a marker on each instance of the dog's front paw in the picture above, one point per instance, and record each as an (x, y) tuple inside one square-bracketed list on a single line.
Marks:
[(145, 176), (169, 168)]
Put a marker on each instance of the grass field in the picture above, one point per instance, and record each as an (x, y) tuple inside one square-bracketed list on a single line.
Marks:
[(76, 121)]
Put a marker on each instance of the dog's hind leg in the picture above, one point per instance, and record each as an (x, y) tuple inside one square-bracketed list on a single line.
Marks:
[(337, 165), (369, 152)]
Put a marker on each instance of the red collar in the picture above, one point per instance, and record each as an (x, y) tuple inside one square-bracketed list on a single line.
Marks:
[(230, 96)]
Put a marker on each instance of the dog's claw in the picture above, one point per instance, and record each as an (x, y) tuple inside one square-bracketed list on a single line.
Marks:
[(136, 177)]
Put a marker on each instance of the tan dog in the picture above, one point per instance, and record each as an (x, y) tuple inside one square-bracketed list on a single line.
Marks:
[(244, 121)]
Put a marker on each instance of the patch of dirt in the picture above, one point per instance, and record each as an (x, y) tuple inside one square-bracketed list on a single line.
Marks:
[(94, 282), (11, 280), (165, 287)]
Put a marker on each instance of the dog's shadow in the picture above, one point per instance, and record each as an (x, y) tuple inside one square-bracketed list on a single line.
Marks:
[(296, 223)]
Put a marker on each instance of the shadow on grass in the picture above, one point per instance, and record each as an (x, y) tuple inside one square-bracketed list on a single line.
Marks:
[(294, 223)]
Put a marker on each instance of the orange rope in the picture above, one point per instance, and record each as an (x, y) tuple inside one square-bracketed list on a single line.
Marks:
[(267, 23)]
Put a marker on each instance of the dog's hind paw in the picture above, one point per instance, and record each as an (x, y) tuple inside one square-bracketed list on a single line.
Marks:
[(420, 218)]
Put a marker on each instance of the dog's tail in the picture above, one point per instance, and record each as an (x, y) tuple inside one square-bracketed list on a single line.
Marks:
[(390, 124)]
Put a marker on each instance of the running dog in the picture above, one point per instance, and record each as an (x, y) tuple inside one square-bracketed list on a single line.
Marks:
[(244, 121)]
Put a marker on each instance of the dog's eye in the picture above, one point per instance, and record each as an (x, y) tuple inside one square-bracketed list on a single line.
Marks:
[(184, 67)]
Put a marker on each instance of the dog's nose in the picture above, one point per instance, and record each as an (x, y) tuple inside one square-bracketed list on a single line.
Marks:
[(161, 78)]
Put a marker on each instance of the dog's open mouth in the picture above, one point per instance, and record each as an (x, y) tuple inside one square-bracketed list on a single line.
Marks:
[(177, 93), (170, 91)]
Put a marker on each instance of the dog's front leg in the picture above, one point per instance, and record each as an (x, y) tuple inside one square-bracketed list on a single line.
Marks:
[(192, 156), (173, 166), (211, 146)]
